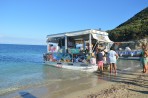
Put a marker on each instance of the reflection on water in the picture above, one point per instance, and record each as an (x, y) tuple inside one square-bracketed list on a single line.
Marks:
[(59, 76), (53, 73), (128, 65)]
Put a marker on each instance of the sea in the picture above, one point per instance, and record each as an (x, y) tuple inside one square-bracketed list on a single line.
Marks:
[(22, 66)]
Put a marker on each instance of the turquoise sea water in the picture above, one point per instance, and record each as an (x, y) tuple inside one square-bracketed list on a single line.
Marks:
[(22, 66)]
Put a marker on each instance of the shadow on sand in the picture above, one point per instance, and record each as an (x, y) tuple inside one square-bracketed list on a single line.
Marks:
[(143, 92), (26, 95), (125, 77)]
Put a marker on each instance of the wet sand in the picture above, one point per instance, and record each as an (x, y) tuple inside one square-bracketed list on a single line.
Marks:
[(58, 89), (122, 85), (125, 85)]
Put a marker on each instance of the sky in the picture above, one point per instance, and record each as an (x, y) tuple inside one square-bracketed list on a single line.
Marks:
[(30, 21)]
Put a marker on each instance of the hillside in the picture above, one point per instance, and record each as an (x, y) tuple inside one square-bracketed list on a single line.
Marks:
[(133, 29)]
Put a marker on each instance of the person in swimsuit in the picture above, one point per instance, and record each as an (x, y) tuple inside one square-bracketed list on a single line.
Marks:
[(144, 58)]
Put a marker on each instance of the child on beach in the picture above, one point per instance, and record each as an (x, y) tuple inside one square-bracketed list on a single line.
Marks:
[(93, 59)]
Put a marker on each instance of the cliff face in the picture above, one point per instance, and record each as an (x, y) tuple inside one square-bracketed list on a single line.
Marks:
[(135, 28)]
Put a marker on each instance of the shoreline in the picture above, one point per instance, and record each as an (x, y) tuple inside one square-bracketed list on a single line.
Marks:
[(123, 85)]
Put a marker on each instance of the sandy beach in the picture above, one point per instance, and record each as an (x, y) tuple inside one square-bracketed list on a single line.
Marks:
[(126, 85), (122, 85)]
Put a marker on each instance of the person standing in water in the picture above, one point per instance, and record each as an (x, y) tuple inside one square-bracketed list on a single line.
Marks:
[(144, 58), (99, 57), (112, 57)]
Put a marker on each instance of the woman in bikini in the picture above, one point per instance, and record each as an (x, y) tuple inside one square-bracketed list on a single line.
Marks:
[(145, 58)]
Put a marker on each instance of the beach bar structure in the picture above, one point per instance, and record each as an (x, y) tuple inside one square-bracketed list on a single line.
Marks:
[(81, 36), (69, 56)]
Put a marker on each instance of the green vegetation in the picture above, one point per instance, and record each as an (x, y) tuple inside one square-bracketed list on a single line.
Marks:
[(134, 29)]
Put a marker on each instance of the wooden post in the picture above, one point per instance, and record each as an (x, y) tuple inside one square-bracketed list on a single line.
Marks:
[(90, 47), (84, 44), (65, 44)]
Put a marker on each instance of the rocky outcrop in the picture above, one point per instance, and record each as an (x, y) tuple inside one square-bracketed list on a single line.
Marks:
[(139, 43), (130, 45)]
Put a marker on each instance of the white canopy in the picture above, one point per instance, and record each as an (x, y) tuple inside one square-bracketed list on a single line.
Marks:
[(82, 34), (101, 37)]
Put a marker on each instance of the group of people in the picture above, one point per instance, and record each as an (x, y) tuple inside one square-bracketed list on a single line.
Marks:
[(111, 58)]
